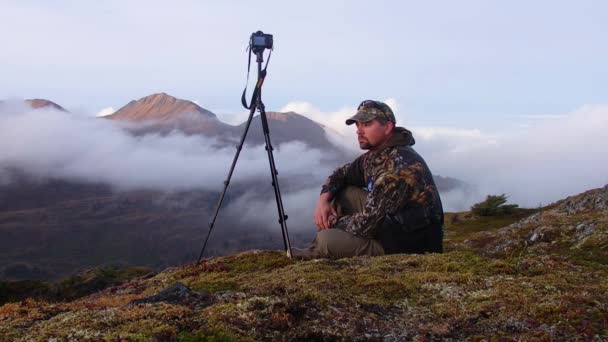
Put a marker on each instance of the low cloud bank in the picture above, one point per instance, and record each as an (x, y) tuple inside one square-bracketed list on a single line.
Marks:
[(48, 143), (548, 161), (105, 111), (551, 157), (562, 154)]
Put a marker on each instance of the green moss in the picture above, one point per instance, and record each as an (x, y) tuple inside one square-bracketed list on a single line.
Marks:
[(255, 262), (461, 228), (95, 280), (595, 248), (382, 290), (215, 286), (70, 288), (12, 291), (206, 336)]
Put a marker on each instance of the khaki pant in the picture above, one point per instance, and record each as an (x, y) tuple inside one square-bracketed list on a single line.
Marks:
[(336, 243)]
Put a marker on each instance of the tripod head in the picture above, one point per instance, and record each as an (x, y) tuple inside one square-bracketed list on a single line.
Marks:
[(260, 41)]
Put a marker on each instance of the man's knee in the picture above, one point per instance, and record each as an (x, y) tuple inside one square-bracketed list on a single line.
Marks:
[(351, 200), (327, 238), (353, 193), (336, 243)]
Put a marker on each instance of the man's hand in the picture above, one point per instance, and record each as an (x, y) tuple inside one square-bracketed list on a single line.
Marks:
[(323, 211)]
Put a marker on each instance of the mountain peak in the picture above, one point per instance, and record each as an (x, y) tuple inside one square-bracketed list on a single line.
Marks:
[(36, 104), (42, 103), (159, 107), (160, 98)]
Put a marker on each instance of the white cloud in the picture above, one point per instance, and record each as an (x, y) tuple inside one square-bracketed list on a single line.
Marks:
[(451, 139), (558, 156), (542, 163), (232, 117), (430, 133), (49, 143), (105, 111), (298, 205), (541, 116), (334, 119), (392, 102)]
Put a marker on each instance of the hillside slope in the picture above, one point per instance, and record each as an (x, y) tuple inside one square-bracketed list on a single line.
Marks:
[(535, 288)]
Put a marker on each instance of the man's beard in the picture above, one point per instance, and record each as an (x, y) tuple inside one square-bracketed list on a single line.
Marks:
[(364, 144)]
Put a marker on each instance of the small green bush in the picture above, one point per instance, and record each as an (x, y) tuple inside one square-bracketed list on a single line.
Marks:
[(494, 205)]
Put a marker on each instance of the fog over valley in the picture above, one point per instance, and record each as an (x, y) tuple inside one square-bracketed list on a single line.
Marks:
[(529, 165), (133, 188)]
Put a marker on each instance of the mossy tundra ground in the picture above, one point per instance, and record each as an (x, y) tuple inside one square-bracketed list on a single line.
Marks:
[(536, 275)]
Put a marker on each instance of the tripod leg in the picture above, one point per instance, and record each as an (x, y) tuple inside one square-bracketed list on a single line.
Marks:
[(227, 181), (275, 180)]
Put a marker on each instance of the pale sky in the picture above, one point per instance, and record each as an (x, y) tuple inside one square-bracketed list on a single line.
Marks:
[(479, 64)]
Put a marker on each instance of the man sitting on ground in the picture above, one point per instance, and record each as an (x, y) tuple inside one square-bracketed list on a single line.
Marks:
[(384, 202)]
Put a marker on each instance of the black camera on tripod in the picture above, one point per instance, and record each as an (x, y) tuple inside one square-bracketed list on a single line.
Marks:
[(260, 41)]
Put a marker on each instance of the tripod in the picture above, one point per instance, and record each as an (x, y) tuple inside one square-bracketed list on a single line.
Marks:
[(256, 103)]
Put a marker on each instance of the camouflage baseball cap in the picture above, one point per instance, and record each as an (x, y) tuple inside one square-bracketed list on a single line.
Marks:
[(369, 110)]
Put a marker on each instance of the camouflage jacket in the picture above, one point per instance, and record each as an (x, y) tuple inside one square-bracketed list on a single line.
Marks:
[(396, 178)]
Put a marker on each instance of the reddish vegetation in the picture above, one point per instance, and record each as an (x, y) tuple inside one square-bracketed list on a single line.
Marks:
[(159, 107)]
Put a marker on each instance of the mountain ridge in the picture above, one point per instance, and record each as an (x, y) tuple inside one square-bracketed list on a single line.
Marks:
[(163, 113)]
